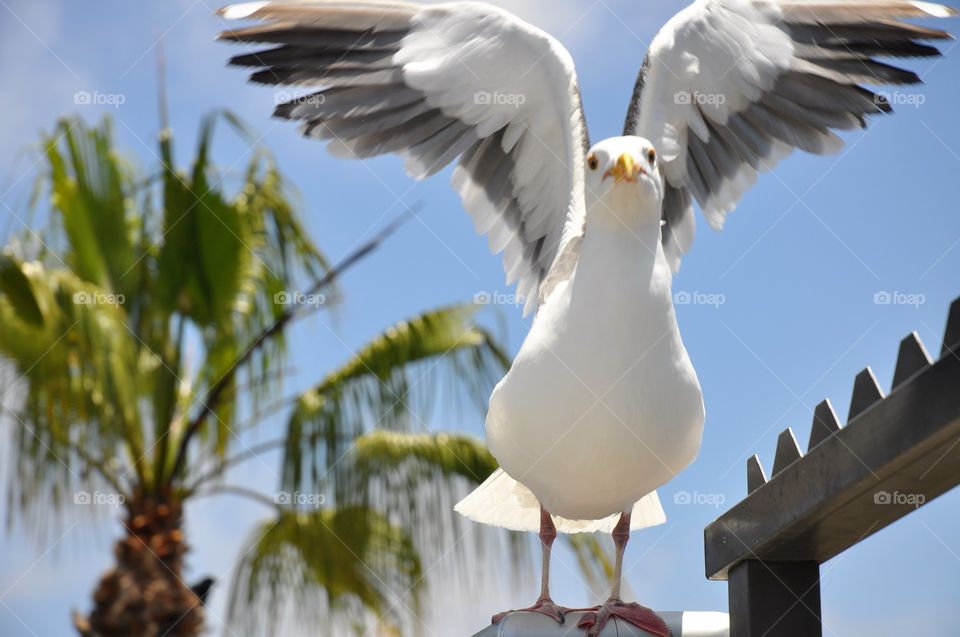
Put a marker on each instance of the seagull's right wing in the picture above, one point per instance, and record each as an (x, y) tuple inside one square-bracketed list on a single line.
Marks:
[(434, 83)]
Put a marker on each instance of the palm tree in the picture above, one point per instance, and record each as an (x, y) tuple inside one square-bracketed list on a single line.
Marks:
[(145, 324)]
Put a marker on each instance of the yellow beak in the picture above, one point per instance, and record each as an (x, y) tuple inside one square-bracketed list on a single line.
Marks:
[(625, 169)]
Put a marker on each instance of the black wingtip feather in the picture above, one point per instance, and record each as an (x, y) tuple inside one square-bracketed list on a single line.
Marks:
[(247, 59), (899, 49), (266, 76), (868, 70), (284, 110), (881, 106)]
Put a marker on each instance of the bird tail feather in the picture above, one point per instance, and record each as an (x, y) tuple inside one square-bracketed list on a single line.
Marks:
[(504, 502)]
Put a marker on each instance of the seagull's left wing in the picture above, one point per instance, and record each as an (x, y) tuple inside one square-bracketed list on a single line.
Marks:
[(433, 83), (730, 87)]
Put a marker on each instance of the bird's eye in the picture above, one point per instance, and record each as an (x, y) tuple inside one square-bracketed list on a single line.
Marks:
[(593, 162), (651, 156)]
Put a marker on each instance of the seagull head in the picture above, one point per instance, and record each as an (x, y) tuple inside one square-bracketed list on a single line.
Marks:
[(623, 178)]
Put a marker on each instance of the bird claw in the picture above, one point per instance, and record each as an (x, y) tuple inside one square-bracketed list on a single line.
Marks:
[(544, 606), (639, 616)]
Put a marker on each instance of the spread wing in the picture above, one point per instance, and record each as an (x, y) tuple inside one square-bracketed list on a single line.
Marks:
[(462, 82), (730, 87)]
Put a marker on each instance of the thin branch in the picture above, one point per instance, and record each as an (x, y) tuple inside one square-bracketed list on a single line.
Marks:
[(215, 393), (250, 494), (251, 423), (247, 454)]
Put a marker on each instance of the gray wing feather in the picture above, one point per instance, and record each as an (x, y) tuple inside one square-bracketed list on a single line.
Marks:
[(482, 177)]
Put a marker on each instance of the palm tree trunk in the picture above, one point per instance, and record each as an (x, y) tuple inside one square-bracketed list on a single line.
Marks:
[(144, 594)]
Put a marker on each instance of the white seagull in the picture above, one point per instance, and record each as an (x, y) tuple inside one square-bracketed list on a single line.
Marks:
[(602, 405)]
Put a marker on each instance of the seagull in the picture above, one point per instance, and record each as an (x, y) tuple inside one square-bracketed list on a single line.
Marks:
[(602, 405)]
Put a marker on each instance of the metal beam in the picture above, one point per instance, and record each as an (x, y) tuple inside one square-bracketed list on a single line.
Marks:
[(896, 454)]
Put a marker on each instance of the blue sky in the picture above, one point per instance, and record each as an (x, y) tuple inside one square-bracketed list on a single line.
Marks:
[(796, 274)]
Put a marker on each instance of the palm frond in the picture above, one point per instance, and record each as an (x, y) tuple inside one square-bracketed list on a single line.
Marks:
[(202, 267), (352, 560), (75, 369), (416, 478), (413, 458), (225, 263), (91, 190), (391, 383)]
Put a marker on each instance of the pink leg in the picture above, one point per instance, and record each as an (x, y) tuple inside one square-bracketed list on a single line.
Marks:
[(636, 614), (543, 605)]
